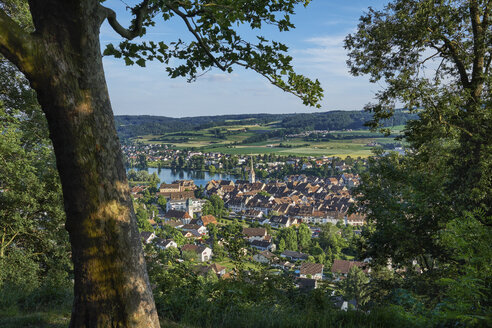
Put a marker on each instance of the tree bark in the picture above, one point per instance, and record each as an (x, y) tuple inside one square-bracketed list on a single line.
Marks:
[(65, 68)]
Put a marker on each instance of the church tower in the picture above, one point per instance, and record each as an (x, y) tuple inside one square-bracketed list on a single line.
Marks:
[(252, 178), (189, 208)]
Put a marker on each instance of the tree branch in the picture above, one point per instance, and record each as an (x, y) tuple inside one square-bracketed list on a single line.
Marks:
[(198, 38), (4, 245), (16, 44), (487, 65), (430, 57), (478, 44), (141, 11), (453, 51)]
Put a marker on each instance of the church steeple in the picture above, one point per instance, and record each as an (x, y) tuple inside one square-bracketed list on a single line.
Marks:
[(252, 178)]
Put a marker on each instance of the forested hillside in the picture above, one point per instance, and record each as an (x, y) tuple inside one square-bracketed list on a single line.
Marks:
[(129, 126)]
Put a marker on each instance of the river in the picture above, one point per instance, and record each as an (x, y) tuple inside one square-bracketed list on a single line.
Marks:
[(201, 178)]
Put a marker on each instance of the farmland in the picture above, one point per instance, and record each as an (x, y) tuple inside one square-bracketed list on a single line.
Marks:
[(235, 139)]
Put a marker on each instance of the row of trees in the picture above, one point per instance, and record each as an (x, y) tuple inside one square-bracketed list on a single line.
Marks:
[(333, 242)]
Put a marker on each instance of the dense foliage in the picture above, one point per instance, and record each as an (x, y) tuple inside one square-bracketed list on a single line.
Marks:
[(34, 250), (431, 207)]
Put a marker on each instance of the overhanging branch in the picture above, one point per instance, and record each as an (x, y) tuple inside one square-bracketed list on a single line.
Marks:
[(136, 28), (202, 43)]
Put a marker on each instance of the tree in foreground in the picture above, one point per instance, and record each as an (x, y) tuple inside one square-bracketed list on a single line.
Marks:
[(354, 287), (61, 59), (435, 58)]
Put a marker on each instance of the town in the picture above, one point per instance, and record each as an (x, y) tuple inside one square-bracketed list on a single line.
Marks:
[(299, 226)]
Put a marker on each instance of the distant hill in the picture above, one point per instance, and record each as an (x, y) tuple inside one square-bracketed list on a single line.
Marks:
[(130, 126)]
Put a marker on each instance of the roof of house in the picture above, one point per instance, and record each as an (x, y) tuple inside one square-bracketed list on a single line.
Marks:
[(268, 254), (192, 232), (191, 227), (343, 266), (217, 267), (293, 254), (194, 248), (163, 242), (260, 243), (254, 232), (177, 214), (146, 235), (207, 219), (173, 223), (171, 185), (311, 268)]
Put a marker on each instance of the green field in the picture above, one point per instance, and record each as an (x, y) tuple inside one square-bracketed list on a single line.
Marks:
[(228, 140)]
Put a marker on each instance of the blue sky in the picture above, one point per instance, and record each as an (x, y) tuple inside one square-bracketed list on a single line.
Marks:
[(316, 46)]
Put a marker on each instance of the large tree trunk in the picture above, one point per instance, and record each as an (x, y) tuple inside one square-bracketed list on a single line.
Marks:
[(111, 284)]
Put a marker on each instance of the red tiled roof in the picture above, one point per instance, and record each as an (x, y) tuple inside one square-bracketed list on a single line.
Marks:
[(343, 266), (311, 268), (207, 219)]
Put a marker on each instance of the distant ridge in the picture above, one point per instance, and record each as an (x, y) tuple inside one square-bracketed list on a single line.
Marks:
[(130, 126)]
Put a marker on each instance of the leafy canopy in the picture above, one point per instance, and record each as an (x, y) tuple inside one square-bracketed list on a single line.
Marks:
[(427, 209), (217, 43)]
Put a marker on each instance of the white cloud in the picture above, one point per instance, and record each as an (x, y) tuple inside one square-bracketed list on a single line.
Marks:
[(217, 77), (325, 54)]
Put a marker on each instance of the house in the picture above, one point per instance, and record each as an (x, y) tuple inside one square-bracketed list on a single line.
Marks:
[(147, 236), (294, 256), (333, 181), (180, 195), (173, 223), (179, 215), (207, 219), (186, 185), (192, 234), (307, 166), (253, 214), (342, 267), (255, 233), (355, 219), (265, 257), (285, 265), (282, 221), (204, 253), (306, 283), (218, 269), (190, 227), (311, 270), (173, 187), (165, 243), (190, 205), (263, 245)]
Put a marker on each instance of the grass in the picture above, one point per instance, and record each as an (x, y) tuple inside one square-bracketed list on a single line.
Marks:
[(56, 320), (249, 316), (48, 319), (229, 265)]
